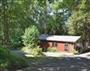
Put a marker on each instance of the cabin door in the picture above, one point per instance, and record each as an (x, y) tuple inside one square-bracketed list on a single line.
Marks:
[(60, 47)]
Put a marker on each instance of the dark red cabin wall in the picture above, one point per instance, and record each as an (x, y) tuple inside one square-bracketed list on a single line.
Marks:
[(60, 46)]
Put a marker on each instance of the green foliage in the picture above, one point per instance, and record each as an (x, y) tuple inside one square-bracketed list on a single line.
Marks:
[(16, 39), (52, 49), (17, 62), (78, 23), (37, 51), (16, 43), (10, 61), (30, 37), (49, 16), (3, 58), (76, 52)]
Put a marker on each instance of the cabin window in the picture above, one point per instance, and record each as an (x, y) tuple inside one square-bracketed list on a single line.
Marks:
[(66, 46), (54, 44)]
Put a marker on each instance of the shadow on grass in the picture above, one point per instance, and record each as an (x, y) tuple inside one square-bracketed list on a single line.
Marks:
[(58, 64)]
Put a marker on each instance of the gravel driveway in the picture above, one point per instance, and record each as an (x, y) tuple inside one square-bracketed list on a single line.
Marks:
[(61, 64), (73, 63)]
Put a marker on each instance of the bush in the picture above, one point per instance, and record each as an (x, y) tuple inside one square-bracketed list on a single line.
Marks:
[(52, 49), (3, 58), (16, 43), (30, 37), (10, 61), (16, 39), (37, 51), (33, 51)]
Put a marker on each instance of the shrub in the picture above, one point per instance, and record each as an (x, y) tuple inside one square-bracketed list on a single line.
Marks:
[(16, 43), (33, 51), (3, 58), (10, 61), (16, 39), (17, 62), (52, 49), (75, 52), (30, 37), (37, 51)]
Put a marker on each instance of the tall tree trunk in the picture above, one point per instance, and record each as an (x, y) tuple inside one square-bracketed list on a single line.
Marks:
[(5, 23)]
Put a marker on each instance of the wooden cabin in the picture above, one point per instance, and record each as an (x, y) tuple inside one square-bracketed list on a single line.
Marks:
[(61, 42)]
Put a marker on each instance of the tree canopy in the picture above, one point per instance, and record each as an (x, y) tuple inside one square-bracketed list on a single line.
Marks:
[(59, 17)]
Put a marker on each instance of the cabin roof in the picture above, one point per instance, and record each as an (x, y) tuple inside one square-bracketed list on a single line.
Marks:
[(61, 38)]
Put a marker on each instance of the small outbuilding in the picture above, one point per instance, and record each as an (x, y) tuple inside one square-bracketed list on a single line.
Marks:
[(61, 42)]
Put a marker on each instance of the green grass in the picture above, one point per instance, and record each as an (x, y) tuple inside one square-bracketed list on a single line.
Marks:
[(10, 61)]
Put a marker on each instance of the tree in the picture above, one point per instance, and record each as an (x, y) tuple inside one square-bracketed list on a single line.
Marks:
[(31, 36), (5, 22), (78, 23), (50, 17), (14, 17)]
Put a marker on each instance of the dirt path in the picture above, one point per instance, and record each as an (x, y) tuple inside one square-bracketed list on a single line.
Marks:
[(78, 63), (60, 64)]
